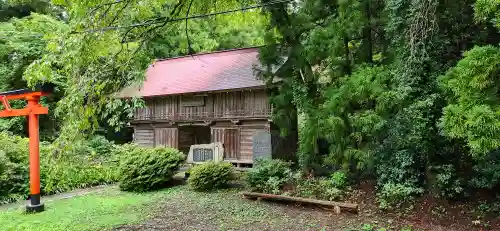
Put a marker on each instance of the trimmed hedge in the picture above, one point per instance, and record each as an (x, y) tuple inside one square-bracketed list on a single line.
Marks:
[(210, 176), (146, 169)]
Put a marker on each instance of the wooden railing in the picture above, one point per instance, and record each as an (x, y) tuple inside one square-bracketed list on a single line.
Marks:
[(201, 116)]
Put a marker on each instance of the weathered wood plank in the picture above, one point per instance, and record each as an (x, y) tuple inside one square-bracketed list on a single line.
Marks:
[(341, 205), (166, 137), (144, 137)]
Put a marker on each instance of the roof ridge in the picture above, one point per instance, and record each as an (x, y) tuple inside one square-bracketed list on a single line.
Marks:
[(208, 53)]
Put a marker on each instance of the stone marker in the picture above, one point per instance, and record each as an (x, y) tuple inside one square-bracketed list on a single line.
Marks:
[(262, 146), (200, 153)]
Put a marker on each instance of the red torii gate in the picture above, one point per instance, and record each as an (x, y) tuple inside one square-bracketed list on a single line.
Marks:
[(32, 110)]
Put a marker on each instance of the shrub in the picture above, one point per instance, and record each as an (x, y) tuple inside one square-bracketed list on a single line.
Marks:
[(62, 176), (394, 195), (486, 173), (100, 145), (14, 176), (68, 169), (14, 147), (210, 175), (77, 166), (145, 169), (13, 180), (447, 183), (322, 189), (339, 179), (269, 175)]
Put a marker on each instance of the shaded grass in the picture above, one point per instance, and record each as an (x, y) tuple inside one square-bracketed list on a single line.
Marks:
[(95, 211), (226, 210)]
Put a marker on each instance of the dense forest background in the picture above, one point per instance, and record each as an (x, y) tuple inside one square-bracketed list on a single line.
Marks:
[(403, 92)]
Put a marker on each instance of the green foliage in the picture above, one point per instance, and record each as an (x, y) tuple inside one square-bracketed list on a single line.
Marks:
[(63, 176), (19, 47), (488, 10), (269, 175), (13, 178), (339, 179), (210, 176), (364, 79), (472, 113), (145, 169), (209, 34), (82, 166), (486, 172), (354, 110), (392, 195), (401, 158), (447, 183), (322, 189), (100, 145)]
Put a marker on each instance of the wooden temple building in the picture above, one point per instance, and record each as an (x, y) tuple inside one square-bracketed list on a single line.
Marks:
[(205, 98)]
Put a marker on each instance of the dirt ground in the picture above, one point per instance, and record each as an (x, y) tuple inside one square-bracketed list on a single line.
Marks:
[(227, 210)]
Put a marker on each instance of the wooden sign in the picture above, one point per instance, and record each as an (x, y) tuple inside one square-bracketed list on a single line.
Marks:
[(261, 145), (200, 153), (192, 101)]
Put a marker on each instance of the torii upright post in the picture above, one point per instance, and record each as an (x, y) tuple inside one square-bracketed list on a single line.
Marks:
[(32, 110)]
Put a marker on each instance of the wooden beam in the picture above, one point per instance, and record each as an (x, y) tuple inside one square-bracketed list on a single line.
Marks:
[(338, 206), (24, 95), (24, 112)]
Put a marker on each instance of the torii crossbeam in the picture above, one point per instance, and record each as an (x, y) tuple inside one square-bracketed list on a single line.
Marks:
[(32, 110)]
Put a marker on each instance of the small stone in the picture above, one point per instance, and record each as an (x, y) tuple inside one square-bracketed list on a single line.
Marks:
[(337, 209)]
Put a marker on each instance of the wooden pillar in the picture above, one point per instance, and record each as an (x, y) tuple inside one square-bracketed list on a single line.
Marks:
[(34, 142)]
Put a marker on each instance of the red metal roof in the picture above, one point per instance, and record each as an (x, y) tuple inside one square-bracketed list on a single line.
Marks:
[(225, 70)]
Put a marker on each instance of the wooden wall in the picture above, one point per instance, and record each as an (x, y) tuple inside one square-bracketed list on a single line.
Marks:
[(237, 139), (166, 137), (236, 104), (144, 136)]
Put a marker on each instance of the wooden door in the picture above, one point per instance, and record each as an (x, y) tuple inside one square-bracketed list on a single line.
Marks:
[(166, 137), (230, 138)]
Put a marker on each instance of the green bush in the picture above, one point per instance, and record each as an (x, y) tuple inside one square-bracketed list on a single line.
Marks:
[(322, 189), (339, 179), (62, 176), (447, 183), (269, 175), (394, 195), (100, 145), (210, 175), (486, 173), (75, 167), (15, 147), (13, 180), (145, 169)]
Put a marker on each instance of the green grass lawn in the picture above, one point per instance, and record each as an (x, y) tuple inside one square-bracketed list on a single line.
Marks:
[(95, 211)]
